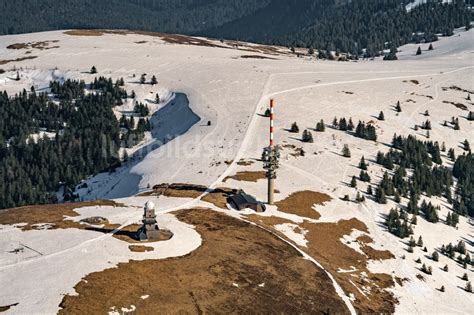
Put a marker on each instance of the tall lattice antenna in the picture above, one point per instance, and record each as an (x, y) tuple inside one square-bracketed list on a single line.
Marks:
[(270, 157)]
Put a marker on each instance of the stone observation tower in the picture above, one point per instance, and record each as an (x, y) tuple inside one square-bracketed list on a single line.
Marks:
[(150, 229)]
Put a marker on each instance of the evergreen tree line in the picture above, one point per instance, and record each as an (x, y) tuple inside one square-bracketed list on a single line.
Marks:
[(86, 139), (360, 27), (367, 27), (363, 130), (431, 179)]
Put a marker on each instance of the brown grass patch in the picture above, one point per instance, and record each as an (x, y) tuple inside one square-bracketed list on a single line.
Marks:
[(4, 62), (50, 214), (325, 246), (177, 190), (256, 57), (247, 176), (202, 282), (458, 105), (140, 248), (375, 254), (301, 203), (85, 32), (128, 233), (18, 46), (267, 222), (457, 88), (364, 238), (217, 196), (34, 45), (244, 163)]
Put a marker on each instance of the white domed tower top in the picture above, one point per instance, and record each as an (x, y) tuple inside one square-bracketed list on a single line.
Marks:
[(149, 205)]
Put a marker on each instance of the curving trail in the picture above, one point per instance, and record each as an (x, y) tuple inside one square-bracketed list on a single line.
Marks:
[(244, 145)]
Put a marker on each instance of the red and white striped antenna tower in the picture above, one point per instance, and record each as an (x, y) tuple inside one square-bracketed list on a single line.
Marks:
[(272, 116), (270, 157)]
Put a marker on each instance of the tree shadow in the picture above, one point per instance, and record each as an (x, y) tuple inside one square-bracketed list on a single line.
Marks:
[(131, 234)]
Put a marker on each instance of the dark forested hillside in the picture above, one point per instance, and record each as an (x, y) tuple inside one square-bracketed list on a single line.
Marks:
[(349, 26), (174, 16), (84, 138)]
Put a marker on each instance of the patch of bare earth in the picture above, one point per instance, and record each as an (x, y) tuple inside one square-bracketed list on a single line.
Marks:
[(247, 176), (5, 61), (43, 45), (457, 105), (239, 268), (457, 88), (140, 248), (128, 233), (244, 163), (301, 203), (217, 196), (324, 244), (256, 57), (53, 215)]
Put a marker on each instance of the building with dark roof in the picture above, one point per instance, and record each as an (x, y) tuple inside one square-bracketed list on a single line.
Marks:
[(242, 201)]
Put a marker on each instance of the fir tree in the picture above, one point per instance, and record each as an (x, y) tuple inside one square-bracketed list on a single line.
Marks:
[(362, 164), (456, 125), (426, 269), (420, 242), (435, 256), (364, 176), (320, 127), (451, 155), (93, 70), (470, 116), (346, 151), (153, 80), (381, 116), (380, 196), (468, 287), (465, 277), (307, 136), (398, 108), (343, 124), (350, 125), (142, 79), (359, 197), (294, 128), (418, 51), (466, 145), (431, 47), (353, 182)]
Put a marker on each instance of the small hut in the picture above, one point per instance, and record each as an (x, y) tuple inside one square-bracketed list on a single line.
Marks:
[(241, 201), (150, 229)]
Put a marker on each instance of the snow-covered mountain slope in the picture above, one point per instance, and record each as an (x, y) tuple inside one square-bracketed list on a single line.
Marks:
[(230, 85)]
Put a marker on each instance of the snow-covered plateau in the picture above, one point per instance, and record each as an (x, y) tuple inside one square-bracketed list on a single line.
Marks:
[(230, 87)]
